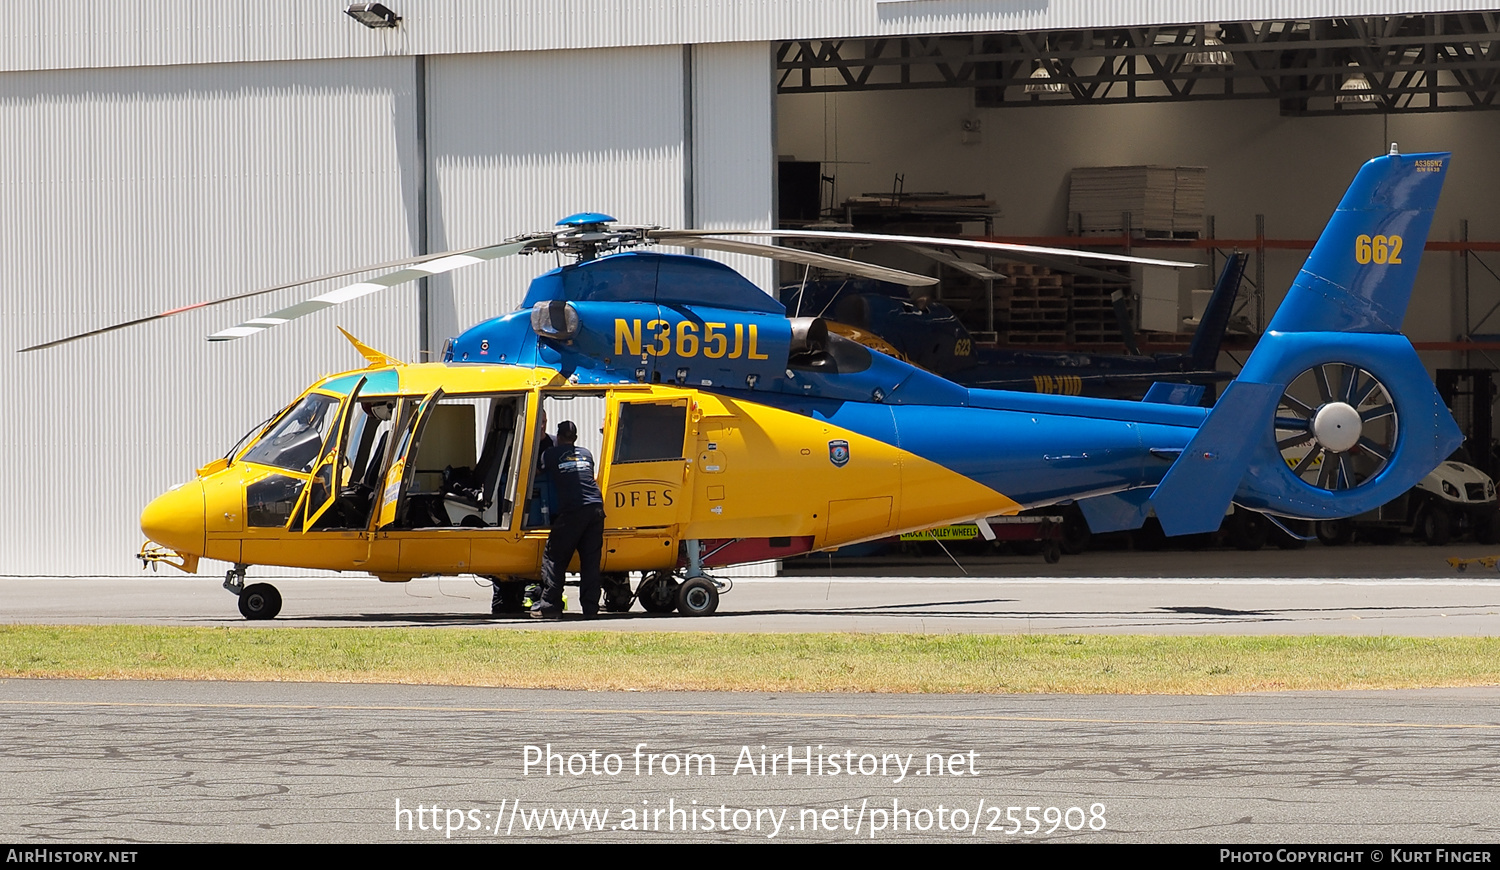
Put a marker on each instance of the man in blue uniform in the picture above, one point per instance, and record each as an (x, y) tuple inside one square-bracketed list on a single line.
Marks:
[(577, 525)]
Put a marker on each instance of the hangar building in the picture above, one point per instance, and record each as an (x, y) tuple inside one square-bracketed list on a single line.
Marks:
[(175, 151)]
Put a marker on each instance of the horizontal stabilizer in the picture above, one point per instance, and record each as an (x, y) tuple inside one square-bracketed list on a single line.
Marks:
[(1175, 394), (1117, 512)]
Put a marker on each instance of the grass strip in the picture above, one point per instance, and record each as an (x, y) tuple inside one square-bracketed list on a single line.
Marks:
[(1073, 664)]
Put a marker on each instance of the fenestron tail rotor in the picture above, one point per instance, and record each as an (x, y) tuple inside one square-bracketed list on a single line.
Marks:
[(1344, 419)]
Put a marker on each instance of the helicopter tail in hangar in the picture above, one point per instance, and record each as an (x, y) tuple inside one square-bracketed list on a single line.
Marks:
[(1333, 414), (1203, 353)]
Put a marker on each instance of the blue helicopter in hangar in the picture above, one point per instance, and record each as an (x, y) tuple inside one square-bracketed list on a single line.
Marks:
[(923, 331), (733, 433)]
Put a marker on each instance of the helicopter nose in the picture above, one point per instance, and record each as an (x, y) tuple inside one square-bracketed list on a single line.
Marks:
[(175, 519)]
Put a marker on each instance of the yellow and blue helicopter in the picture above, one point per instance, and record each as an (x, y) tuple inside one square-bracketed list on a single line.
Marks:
[(732, 433)]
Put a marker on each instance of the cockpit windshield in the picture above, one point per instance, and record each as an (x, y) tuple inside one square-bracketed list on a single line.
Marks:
[(295, 442), (250, 436)]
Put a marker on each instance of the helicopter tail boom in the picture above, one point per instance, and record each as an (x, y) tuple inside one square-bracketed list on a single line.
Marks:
[(1334, 414)]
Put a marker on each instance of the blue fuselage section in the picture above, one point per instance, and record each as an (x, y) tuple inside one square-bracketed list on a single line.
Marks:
[(742, 347)]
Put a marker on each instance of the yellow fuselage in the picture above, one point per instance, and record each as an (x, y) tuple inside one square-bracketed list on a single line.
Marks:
[(770, 478)]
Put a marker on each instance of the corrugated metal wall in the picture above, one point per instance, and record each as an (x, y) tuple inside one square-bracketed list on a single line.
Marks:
[(125, 193), (734, 151), (517, 141), (77, 34)]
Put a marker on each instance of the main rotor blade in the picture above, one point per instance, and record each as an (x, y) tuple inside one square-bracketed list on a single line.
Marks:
[(996, 247), (405, 261), (973, 270), (431, 266), (1056, 264), (822, 261)]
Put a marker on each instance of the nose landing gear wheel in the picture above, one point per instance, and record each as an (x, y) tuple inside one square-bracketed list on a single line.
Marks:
[(697, 597), (260, 601)]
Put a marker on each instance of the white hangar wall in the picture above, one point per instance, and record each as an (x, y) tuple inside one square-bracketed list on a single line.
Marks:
[(73, 33), (131, 191), (1292, 170), (517, 141)]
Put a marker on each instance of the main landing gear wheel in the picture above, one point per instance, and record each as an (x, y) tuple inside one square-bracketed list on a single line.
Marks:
[(697, 597), (1248, 530), (658, 593), (1075, 532), (509, 597), (260, 601), (1351, 431), (617, 594)]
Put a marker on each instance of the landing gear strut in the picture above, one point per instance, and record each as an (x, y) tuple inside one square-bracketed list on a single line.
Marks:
[(698, 595), (258, 600)]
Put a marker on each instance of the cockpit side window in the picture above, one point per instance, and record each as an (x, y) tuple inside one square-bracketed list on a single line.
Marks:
[(295, 442)]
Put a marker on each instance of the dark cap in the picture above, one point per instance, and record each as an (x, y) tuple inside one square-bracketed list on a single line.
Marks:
[(567, 430)]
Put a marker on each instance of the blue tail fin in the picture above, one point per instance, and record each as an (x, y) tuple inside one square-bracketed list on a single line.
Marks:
[(1332, 381), (1204, 351), (1359, 276)]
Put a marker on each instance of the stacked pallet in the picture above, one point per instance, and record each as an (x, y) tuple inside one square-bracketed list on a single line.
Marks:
[(1034, 307), (1092, 307), (1163, 202)]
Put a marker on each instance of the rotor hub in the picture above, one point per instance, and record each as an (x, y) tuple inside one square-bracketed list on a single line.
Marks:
[(1337, 426)]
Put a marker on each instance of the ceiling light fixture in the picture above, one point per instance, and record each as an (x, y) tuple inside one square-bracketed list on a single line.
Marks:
[(372, 15), (1209, 52), (1355, 89), (1041, 82)]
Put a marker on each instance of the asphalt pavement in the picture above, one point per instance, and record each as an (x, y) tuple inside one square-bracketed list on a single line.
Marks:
[(1391, 590)]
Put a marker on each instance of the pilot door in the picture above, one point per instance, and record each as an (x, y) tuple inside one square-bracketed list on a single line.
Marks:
[(330, 473), (318, 514)]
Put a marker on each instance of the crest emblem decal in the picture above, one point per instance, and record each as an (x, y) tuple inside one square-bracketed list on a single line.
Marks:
[(838, 453)]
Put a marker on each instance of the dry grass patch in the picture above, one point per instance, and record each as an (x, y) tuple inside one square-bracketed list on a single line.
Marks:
[(1075, 664)]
